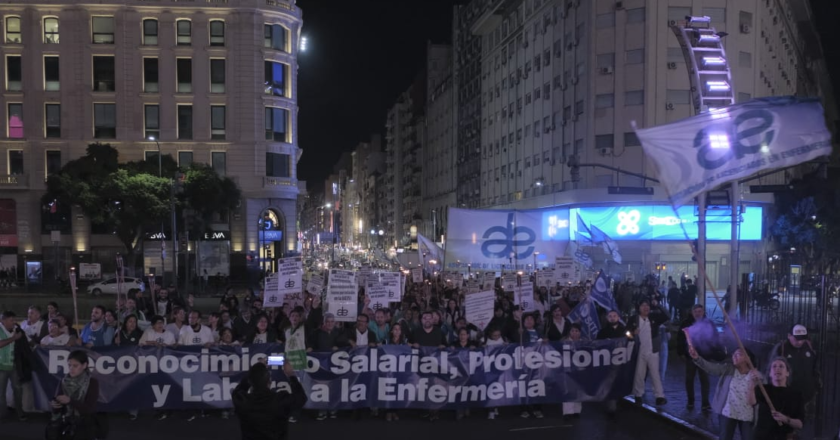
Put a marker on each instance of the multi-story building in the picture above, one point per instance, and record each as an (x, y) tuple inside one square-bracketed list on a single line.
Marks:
[(561, 81), (439, 152), (467, 82), (364, 160), (212, 82)]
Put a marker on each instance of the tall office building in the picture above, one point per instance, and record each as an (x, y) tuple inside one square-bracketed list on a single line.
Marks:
[(212, 82), (561, 81)]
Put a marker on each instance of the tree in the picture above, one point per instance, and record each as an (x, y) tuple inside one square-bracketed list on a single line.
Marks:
[(129, 199), (206, 194), (110, 195), (808, 221)]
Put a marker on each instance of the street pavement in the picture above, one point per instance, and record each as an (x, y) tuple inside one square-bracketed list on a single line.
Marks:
[(630, 424)]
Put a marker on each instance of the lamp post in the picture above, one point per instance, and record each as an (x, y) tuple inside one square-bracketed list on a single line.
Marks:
[(162, 235), (535, 262)]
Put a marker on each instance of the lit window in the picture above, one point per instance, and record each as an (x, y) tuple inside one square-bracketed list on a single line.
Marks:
[(275, 79), (51, 30), (13, 34), (103, 30), (15, 121)]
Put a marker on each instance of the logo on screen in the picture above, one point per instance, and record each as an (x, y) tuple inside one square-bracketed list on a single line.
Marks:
[(511, 239), (628, 222), (719, 144)]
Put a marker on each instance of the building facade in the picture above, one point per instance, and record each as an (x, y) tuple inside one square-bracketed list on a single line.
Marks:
[(561, 81), (439, 152), (211, 82)]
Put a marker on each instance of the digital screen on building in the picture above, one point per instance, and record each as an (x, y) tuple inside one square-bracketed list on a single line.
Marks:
[(555, 225), (659, 222)]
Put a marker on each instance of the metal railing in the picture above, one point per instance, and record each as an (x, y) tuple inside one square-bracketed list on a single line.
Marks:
[(11, 181)]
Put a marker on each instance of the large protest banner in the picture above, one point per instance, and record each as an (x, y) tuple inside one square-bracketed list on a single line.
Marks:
[(391, 376), (501, 239)]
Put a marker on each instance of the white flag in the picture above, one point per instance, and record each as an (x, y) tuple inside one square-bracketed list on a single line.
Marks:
[(702, 152)]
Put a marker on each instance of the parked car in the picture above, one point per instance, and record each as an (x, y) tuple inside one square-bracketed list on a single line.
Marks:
[(109, 286)]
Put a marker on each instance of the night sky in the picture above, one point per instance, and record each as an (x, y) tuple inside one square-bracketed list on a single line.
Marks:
[(363, 54)]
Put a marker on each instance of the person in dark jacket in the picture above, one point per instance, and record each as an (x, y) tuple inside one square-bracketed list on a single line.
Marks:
[(645, 329), (263, 413), (614, 329), (705, 338), (558, 327), (78, 395)]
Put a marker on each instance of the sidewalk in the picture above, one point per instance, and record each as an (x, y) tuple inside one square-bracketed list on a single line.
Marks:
[(675, 411)]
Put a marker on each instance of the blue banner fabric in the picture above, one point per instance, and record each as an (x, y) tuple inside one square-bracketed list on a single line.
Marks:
[(382, 377)]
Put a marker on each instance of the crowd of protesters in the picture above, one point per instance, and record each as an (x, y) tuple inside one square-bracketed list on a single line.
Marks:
[(431, 314)]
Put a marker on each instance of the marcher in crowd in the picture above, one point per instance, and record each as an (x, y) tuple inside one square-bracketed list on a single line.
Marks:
[(33, 326), (735, 393), (14, 363), (573, 409), (263, 413), (97, 333), (78, 395), (789, 407), (645, 328), (157, 335), (55, 337), (804, 364), (705, 333)]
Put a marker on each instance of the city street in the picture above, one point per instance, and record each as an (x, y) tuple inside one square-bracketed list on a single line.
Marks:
[(630, 424)]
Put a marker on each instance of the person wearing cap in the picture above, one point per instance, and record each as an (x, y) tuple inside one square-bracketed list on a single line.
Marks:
[(802, 357)]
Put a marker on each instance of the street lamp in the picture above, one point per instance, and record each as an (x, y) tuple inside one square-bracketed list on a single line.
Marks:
[(162, 236), (535, 261)]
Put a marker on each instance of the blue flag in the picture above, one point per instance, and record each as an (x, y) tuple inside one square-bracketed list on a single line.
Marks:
[(601, 294), (586, 315)]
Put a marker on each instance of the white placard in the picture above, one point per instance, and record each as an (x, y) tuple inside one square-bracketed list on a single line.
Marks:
[(479, 308), (338, 293), (488, 280), (339, 276), (417, 274), (315, 284), (290, 275), (509, 282), (564, 270), (473, 286), (365, 274), (343, 311), (392, 281), (378, 295), (524, 297), (271, 292), (545, 278), (90, 271)]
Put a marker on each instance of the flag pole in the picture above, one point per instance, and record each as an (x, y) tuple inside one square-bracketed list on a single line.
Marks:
[(701, 267)]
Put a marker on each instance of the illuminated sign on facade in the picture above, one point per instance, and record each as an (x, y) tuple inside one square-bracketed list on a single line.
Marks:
[(659, 222)]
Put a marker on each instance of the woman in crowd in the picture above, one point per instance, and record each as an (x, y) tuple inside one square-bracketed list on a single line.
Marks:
[(494, 338), (214, 323), (231, 301), (452, 313), (395, 337), (157, 335), (130, 334), (262, 334), (77, 396), (787, 402), (558, 328), (226, 337), (55, 337), (67, 328), (111, 320), (735, 390), (573, 409), (52, 310), (463, 342)]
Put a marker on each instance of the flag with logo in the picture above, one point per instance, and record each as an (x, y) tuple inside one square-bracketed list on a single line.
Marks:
[(586, 315), (702, 152), (431, 249), (600, 292), (580, 256)]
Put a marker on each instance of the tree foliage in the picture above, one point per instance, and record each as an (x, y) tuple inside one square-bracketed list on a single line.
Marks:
[(130, 199), (808, 220)]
